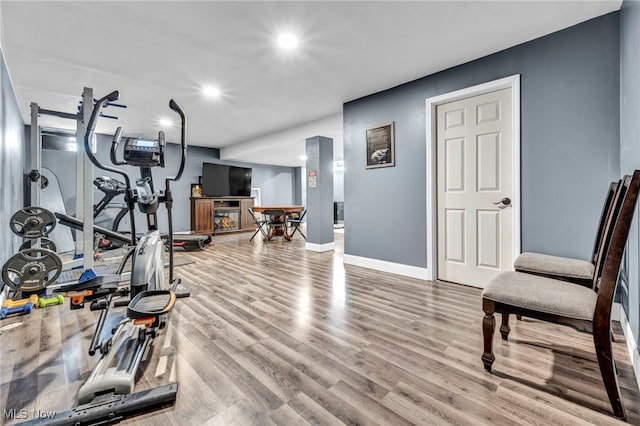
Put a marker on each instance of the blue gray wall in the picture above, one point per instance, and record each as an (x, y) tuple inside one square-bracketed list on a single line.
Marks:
[(276, 183), (12, 160), (630, 144), (300, 178), (569, 146), (298, 186)]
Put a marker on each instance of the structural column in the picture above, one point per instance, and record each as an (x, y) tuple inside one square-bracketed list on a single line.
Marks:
[(319, 188)]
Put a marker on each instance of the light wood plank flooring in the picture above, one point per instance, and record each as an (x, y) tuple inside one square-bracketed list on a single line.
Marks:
[(274, 334)]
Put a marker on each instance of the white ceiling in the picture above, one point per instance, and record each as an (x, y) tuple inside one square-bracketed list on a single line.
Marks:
[(152, 51)]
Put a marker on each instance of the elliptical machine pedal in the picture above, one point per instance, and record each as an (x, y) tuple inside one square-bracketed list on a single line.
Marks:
[(151, 303)]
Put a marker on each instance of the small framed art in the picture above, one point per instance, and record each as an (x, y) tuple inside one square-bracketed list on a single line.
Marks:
[(379, 143)]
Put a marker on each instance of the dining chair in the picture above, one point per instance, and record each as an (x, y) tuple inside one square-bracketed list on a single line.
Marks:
[(295, 222), (260, 222), (577, 271), (561, 302)]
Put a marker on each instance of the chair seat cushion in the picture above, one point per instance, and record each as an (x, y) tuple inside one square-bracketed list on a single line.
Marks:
[(554, 265), (542, 295)]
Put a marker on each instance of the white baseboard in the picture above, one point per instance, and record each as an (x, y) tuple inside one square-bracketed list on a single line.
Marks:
[(384, 266), (632, 346), (320, 248)]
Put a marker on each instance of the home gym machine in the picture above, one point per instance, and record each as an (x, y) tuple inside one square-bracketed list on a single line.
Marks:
[(85, 242), (106, 395)]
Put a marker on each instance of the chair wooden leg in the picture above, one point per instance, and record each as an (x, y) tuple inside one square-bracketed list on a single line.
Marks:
[(504, 328), (607, 365), (488, 326)]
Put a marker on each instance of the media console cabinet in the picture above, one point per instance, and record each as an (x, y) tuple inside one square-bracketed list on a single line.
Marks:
[(217, 215)]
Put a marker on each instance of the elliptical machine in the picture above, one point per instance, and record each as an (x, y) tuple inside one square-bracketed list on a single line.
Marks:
[(106, 396)]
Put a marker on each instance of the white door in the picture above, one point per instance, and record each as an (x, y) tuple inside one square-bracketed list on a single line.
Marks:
[(474, 185)]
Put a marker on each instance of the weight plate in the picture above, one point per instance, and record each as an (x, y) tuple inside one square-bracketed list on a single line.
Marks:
[(44, 243), (32, 222), (32, 269)]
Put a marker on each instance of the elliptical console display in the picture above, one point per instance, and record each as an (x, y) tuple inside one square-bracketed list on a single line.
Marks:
[(144, 152)]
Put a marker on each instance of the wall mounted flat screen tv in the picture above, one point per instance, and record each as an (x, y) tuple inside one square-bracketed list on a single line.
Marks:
[(219, 180)]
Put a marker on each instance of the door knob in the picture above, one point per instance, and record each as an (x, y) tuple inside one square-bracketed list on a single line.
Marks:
[(505, 201)]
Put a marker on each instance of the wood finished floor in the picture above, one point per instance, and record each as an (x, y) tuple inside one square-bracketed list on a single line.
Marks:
[(274, 334)]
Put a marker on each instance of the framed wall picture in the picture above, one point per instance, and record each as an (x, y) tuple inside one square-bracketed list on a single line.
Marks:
[(379, 145), (196, 190)]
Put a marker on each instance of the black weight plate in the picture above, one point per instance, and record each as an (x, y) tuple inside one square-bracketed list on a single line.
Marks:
[(32, 222), (44, 243), (32, 269)]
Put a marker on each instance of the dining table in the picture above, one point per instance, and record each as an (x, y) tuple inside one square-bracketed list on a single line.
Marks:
[(289, 211)]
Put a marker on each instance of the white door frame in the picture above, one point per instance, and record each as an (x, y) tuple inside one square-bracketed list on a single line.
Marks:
[(512, 82)]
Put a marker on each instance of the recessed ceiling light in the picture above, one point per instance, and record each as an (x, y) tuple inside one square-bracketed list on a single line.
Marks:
[(303, 157), (287, 41), (211, 91), (165, 122)]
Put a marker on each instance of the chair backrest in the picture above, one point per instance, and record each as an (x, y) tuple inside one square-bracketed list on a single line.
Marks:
[(613, 245), (604, 215), (297, 217), (607, 229)]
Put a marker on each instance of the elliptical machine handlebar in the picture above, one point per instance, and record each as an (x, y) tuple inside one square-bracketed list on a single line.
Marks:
[(114, 147), (183, 141), (168, 195), (113, 96)]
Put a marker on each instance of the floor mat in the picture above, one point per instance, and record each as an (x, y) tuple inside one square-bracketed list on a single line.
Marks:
[(74, 274)]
